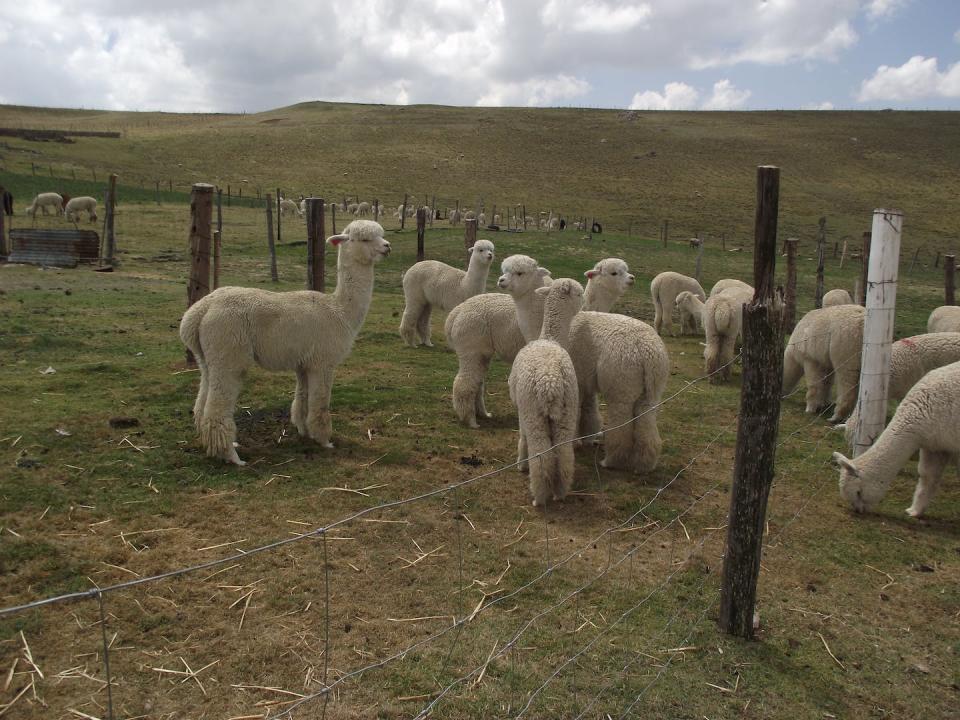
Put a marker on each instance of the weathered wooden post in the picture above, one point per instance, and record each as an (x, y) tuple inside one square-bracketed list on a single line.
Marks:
[(758, 422), (821, 239), (936, 263), (699, 258), (94, 171), (864, 270), (170, 185), (421, 226), (316, 239), (790, 293), (216, 259), (433, 209), (110, 241), (279, 213), (524, 217), (270, 243), (376, 209), (913, 263), (201, 214), (403, 214), (228, 196), (666, 232), (884, 264), (4, 247), (157, 192), (333, 218), (219, 209), (470, 233), (949, 279)]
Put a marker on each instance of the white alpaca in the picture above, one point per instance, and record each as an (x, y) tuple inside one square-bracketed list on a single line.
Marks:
[(454, 217), (77, 205), (726, 283), (363, 209), (837, 296), (910, 359), (606, 282), (485, 326), (722, 320), (945, 318), (289, 206), (928, 419), (690, 308), (430, 284), (826, 343), (43, 201), (620, 358), (543, 386), (469, 215), (310, 332), (664, 289)]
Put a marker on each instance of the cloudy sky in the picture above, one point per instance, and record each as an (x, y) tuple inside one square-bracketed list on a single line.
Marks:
[(241, 55)]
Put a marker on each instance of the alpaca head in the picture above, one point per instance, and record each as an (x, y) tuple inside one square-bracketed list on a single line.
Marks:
[(563, 298), (362, 242), (482, 250), (685, 299), (613, 273), (521, 274), (862, 494)]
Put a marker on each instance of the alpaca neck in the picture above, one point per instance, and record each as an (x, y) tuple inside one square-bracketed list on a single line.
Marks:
[(354, 291), (556, 327), (698, 304), (529, 314), (598, 298), (475, 281), (880, 464)]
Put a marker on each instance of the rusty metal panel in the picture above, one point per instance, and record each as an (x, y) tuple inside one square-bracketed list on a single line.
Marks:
[(63, 248)]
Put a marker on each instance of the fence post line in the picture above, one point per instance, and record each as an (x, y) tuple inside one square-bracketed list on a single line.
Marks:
[(864, 270), (821, 239), (949, 279), (790, 293), (216, 259), (403, 214), (201, 214), (270, 243), (110, 240), (315, 245), (421, 226), (758, 422), (469, 233), (881, 298)]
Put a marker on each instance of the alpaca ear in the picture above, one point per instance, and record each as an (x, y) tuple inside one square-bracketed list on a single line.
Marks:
[(542, 272), (846, 464), (337, 239), (589, 274), (542, 291)]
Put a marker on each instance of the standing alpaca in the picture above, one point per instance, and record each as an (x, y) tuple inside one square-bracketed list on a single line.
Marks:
[(606, 282), (928, 419), (309, 332), (77, 205), (722, 319), (543, 386), (690, 308), (664, 289), (43, 201), (432, 284), (289, 206)]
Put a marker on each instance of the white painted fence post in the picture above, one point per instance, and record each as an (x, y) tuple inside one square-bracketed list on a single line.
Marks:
[(881, 297)]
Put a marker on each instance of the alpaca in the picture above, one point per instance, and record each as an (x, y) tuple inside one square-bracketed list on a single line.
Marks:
[(606, 282), (77, 205), (945, 318), (664, 289), (690, 308), (722, 320), (309, 332), (43, 201), (927, 419), (543, 386), (826, 342), (726, 283), (289, 206), (837, 296), (431, 284)]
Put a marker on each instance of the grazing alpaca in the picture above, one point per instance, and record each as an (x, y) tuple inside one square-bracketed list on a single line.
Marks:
[(543, 386), (432, 284), (308, 332), (928, 419), (664, 289)]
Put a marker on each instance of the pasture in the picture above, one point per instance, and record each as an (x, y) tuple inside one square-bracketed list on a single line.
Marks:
[(466, 602)]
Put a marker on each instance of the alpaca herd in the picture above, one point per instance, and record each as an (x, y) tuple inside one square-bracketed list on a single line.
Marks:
[(568, 350), (71, 209)]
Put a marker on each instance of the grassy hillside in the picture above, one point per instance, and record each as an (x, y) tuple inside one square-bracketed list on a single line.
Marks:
[(630, 169)]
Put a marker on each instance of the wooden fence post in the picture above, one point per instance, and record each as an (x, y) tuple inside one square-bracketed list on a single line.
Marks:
[(821, 239), (666, 232), (278, 216), (228, 196), (949, 279), (201, 214), (316, 238), (913, 263), (433, 209), (790, 293), (376, 209), (936, 263), (524, 217), (157, 192), (758, 422), (110, 240), (421, 226), (216, 259), (699, 258), (333, 218), (219, 209), (864, 269), (4, 249), (881, 296), (403, 214), (270, 243), (470, 233)]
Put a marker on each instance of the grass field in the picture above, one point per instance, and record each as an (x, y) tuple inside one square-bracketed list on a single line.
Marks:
[(858, 615)]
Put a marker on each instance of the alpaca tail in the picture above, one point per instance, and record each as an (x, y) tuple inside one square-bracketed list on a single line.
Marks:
[(190, 327), (722, 317)]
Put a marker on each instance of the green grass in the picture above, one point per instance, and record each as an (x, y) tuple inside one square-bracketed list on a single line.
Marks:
[(102, 504)]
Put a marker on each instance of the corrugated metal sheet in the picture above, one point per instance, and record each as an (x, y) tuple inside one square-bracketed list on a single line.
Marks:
[(62, 248)]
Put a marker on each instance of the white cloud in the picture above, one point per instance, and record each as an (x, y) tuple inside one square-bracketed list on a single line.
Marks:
[(825, 105), (535, 91), (675, 96), (956, 36), (594, 16), (877, 9), (916, 79), (726, 97)]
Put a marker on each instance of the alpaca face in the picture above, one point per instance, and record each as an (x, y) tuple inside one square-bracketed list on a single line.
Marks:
[(861, 496), (363, 241), (613, 272), (521, 274), (484, 250)]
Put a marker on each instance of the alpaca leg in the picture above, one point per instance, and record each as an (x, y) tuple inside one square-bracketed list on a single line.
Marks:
[(301, 403), (930, 469), (565, 471), (319, 423), (647, 443), (618, 441), (726, 353), (481, 404), (711, 356), (590, 421), (423, 325), (467, 386), (522, 465), (201, 401), (408, 323), (538, 441), (657, 316), (218, 431), (792, 371), (817, 400), (848, 384)]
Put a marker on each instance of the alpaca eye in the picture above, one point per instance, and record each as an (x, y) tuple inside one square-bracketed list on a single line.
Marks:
[(614, 272), (519, 272)]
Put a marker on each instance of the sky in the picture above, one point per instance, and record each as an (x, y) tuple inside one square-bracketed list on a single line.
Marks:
[(244, 56)]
